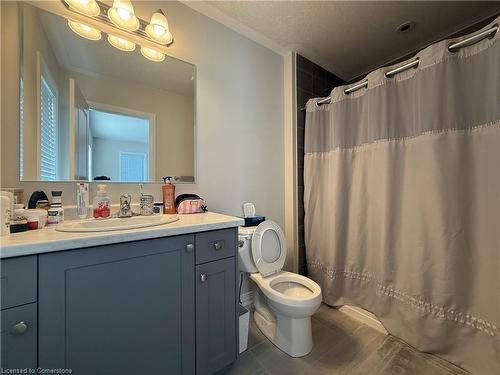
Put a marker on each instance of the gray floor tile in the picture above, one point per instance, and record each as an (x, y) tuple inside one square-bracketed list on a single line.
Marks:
[(245, 365), (377, 360), (277, 362), (348, 354), (409, 361), (333, 318), (341, 346)]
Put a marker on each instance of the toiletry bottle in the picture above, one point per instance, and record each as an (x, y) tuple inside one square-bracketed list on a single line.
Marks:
[(4, 215), (55, 214), (102, 203), (82, 199), (168, 192)]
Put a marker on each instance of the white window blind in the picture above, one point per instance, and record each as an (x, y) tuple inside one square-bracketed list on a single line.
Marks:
[(133, 167), (48, 132)]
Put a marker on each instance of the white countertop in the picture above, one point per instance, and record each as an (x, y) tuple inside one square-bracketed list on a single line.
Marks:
[(48, 239)]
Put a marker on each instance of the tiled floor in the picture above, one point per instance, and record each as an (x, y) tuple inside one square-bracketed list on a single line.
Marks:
[(341, 346)]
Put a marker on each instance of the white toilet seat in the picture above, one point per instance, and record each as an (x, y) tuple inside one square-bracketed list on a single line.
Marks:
[(266, 286), (268, 248)]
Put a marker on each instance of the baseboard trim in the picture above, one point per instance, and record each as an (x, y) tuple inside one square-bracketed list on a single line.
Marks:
[(247, 298), (364, 317)]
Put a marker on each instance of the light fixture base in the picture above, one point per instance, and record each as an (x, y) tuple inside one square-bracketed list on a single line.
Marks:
[(103, 17)]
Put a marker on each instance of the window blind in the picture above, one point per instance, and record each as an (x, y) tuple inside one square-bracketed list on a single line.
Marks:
[(48, 133), (133, 167)]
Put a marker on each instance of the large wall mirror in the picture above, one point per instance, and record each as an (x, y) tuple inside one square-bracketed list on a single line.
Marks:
[(89, 111)]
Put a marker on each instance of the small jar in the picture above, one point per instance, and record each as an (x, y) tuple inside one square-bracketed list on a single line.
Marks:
[(146, 204), (55, 214), (158, 208)]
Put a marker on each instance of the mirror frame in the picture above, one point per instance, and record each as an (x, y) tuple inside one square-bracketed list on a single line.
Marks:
[(58, 9)]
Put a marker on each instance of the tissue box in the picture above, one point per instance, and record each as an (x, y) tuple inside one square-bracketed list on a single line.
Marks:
[(253, 221)]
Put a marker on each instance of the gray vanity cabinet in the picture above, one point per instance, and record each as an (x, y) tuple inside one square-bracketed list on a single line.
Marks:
[(215, 315), (18, 315), (119, 309)]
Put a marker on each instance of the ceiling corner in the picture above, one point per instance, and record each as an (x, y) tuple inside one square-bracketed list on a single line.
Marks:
[(212, 12)]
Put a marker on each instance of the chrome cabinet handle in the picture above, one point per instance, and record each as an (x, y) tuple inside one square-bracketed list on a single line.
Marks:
[(218, 245), (189, 248), (19, 328), (203, 277)]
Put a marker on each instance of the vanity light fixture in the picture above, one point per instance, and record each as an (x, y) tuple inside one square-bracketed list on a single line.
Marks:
[(152, 54), (121, 43), (85, 31), (87, 7), (158, 28), (129, 30), (122, 15)]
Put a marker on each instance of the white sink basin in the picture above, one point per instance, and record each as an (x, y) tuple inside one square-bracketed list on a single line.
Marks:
[(103, 225)]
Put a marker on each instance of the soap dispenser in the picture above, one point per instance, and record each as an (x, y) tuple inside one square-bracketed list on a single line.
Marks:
[(168, 192), (102, 203)]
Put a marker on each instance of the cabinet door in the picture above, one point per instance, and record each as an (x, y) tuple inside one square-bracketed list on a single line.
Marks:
[(215, 315), (119, 309), (19, 337)]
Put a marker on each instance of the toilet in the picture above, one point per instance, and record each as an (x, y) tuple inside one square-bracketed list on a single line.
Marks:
[(284, 301)]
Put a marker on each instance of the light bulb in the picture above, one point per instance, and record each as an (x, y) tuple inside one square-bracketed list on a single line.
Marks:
[(152, 54), (121, 43), (158, 30), (85, 31), (122, 15), (87, 7)]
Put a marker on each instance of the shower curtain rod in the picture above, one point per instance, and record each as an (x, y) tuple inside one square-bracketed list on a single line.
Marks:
[(453, 47)]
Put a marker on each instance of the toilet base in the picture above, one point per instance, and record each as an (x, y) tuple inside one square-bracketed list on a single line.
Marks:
[(291, 335)]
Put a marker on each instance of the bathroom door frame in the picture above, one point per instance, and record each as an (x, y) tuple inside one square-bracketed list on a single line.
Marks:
[(151, 117)]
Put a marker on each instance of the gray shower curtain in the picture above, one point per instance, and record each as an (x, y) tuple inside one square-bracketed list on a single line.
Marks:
[(402, 201)]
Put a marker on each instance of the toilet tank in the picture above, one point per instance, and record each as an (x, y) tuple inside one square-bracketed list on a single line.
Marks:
[(245, 258)]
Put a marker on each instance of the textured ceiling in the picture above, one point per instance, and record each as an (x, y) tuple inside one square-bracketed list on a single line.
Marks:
[(350, 38)]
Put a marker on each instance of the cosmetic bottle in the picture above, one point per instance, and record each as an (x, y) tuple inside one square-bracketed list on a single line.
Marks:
[(55, 214), (168, 192), (5, 214)]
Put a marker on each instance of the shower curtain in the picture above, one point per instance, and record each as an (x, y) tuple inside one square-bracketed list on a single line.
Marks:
[(402, 201)]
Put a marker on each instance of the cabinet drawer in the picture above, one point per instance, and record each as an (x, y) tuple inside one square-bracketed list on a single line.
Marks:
[(19, 281), (215, 245), (19, 337)]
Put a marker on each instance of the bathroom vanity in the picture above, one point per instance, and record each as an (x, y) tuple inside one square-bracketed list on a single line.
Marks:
[(160, 300)]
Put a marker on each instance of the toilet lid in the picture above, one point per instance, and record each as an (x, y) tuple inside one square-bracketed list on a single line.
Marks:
[(268, 248)]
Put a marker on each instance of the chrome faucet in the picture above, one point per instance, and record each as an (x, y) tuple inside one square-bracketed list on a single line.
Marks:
[(125, 209)]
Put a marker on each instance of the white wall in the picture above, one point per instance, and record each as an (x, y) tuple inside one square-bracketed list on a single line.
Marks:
[(239, 114), (173, 117)]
